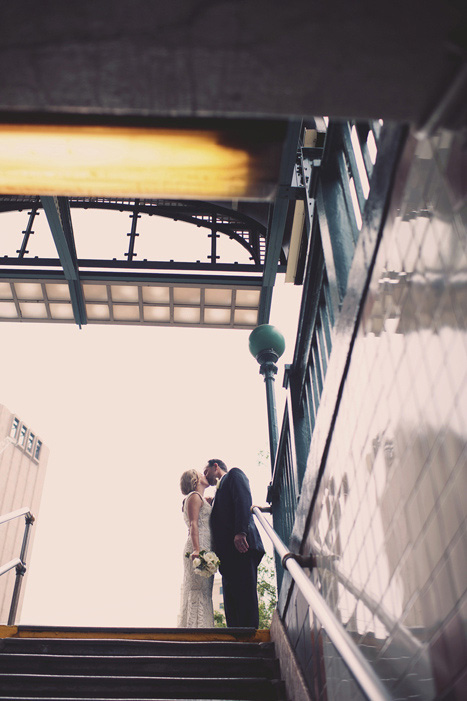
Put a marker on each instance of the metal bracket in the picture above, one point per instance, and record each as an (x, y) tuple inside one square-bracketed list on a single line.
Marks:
[(293, 192), (303, 561), (313, 154), (263, 509), (271, 496), (20, 570)]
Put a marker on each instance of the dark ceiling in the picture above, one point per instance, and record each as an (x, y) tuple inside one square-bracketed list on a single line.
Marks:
[(352, 59)]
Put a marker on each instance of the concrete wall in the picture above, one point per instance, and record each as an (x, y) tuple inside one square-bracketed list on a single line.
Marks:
[(21, 481)]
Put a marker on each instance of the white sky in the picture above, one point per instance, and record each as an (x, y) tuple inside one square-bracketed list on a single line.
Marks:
[(124, 411)]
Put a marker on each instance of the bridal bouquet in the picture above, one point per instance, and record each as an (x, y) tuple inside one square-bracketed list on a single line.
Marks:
[(206, 564)]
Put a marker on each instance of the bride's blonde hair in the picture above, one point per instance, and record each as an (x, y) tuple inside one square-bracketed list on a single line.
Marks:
[(189, 481)]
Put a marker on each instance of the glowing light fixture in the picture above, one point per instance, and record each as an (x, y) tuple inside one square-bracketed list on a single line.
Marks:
[(240, 161)]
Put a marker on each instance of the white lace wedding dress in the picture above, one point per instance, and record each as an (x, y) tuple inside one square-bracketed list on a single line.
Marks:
[(196, 609)]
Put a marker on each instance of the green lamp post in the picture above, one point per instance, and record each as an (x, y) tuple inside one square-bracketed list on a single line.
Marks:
[(267, 344)]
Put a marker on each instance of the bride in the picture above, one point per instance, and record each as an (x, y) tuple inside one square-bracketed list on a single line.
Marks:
[(196, 610)]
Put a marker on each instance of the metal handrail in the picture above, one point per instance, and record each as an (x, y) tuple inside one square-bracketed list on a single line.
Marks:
[(329, 562), (360, 668), (15, 514), (18, 563), (9, 565)]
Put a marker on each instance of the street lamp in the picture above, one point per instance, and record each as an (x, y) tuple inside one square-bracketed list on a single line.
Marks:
[(267, 344)]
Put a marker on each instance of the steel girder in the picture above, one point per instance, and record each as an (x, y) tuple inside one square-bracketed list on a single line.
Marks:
[(57, 210)]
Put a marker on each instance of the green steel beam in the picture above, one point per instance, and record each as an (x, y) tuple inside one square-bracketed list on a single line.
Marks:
[(57, 210), (117, 278), (276, 231)]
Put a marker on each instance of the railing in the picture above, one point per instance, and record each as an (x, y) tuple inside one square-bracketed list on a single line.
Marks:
[(19, 562), (335, 183), (283, 492), (359, 667)]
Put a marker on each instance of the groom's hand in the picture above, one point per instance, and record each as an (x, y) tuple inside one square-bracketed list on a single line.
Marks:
[(241, 543)]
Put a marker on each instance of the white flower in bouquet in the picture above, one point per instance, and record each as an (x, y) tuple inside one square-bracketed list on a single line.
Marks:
[(207, 564), (203, 573)]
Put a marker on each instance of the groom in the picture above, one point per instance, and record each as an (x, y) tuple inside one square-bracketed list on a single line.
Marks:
[(236, 542)]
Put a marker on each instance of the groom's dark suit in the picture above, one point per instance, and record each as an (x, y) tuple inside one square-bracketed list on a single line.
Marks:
[(231, 515)]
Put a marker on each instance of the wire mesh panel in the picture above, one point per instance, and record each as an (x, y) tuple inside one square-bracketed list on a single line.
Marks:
[(388, 527)]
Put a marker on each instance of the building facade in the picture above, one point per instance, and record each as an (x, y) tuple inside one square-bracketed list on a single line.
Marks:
[(23, 463)]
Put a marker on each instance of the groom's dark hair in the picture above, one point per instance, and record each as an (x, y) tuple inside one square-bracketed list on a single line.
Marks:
[(221, 464)]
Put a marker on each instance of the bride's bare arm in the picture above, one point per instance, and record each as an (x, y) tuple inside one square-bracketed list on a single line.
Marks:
[(193, 508)]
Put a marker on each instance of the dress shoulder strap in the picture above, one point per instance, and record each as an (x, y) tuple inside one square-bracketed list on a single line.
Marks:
[(188, 496)]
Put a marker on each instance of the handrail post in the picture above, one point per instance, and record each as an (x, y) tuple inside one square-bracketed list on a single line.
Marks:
[(359, 667), (268, 370), (20, 570)]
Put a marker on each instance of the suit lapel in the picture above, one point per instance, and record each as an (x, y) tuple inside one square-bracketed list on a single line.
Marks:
[(218, 489)]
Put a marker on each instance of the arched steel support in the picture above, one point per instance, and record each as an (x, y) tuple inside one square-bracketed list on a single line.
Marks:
[(241, 228)]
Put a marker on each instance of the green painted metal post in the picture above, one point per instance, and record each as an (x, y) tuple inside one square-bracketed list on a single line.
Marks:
[(267, 344), (268, 370)]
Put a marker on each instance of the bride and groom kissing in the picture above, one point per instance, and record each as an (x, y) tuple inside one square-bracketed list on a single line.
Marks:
[(223, 524)]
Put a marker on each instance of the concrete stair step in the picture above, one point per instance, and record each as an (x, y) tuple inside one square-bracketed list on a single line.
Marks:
[(17, 686), (165, 648), (134, 665)]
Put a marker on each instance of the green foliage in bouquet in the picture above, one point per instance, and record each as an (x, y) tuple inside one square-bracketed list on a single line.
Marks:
[(207, 564)]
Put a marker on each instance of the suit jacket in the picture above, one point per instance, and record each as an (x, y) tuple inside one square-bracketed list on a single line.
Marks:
[(231, 515)]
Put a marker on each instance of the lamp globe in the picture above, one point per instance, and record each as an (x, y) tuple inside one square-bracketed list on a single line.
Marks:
[(266, 338)]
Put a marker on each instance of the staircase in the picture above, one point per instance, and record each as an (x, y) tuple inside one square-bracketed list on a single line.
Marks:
[(95, 664)]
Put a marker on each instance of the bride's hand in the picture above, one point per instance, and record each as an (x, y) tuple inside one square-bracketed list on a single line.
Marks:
[(194, 554)]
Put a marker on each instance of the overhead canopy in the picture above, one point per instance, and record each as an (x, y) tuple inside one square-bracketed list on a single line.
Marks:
[(197, 286), (206, 291)]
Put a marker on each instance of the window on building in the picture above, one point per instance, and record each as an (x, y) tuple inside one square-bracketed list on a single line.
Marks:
[(221, 590), (37, 452), (22, 435), (14, 428), (221, 606), (30, 442)]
